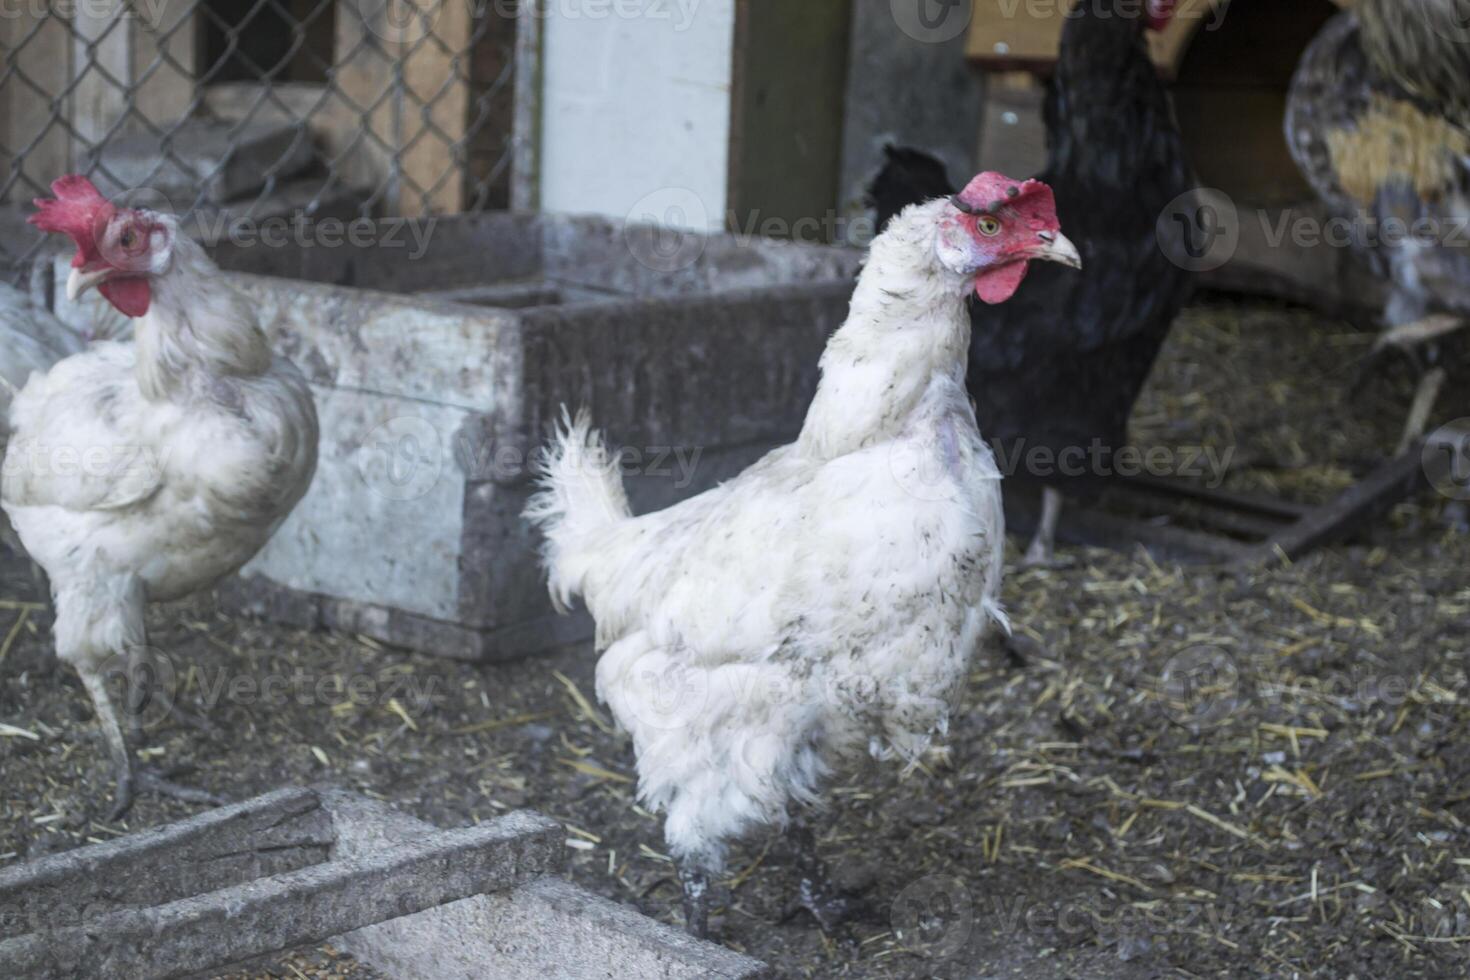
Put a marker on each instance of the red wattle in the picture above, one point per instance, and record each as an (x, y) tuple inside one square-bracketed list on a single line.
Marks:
[(1000, 284), (130, 295)]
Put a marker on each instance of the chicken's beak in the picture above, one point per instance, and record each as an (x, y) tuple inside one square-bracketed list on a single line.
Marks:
[(81, 280), (1056, 247)]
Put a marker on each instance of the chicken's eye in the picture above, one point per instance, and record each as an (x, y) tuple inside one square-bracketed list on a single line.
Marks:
[(988, 226), (128, 238)]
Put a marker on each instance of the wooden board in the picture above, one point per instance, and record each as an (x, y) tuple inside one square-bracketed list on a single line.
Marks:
[(785, 147), (1025, 34)]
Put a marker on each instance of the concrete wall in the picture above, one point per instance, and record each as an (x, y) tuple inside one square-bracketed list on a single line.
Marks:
[(907, 84), (634, 106)]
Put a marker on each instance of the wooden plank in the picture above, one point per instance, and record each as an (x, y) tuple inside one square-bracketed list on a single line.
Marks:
[(1386, 486), (39, 45), (166, 31), (1013, 130), (525, 184), (359, 126), (1285, 510), (102, 64), (1099, 529), (773, 175), (1197, 514), (1011, 35), (436, 112), (1094, 527)]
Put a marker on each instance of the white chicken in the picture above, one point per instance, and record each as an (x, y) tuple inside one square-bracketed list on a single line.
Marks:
[(145, 471), (31, 340), (827, 600)]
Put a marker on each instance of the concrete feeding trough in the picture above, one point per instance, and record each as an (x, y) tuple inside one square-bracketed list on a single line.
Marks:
[(438, 365), (304, 866)]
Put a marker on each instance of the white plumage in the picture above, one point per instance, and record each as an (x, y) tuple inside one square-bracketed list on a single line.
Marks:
[(31, 339), (826, 601), (145, 471)]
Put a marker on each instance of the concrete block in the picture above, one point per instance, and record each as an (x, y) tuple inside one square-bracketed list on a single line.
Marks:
[(545, 928), (510, 296), (267, 875), (207, 158)]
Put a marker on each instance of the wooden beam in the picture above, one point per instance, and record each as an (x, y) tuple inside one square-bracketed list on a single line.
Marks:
[(1355, 507), (1023, 36), (166, 30), (102, 64), (774, 173), (37, 44), (359, 128), (436, 56), (525, 181)]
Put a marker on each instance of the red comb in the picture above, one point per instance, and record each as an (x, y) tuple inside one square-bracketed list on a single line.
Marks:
[(78, 210), (1031, 200)]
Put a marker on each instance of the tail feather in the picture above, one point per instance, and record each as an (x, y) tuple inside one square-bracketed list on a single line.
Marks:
[(581, 493)]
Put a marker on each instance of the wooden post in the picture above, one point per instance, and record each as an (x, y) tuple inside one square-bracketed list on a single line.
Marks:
[(165, 27), (38, 45), (525, 182), (102, 63), (786, 152), (1013, 131), (361, 134), (436, 105)]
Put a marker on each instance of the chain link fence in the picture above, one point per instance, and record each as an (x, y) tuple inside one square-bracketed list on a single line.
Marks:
[(245, 110)]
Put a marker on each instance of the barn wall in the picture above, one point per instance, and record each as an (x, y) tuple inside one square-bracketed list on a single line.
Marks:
[(906, 90), (633, 107), (1231, 97)]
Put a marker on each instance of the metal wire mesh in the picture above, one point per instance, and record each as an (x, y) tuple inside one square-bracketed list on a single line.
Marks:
[(250, 109)]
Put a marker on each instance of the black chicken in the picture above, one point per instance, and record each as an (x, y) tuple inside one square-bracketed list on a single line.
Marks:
[(1055, 372)]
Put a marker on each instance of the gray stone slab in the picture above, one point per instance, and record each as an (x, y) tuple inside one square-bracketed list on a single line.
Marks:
[(510, 296), (273, 834), (361, 882), (545, 928), (909, 91)]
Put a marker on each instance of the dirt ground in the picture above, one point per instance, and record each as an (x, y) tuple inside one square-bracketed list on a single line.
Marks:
[(1169, 772)]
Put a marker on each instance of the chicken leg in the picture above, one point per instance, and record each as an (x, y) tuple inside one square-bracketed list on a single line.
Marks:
[(130, 777), (1042, 551), (695, 881), (828, 905), (142, 689), (1423, 407)]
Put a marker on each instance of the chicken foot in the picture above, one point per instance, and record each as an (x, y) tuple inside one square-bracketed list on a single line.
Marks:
[(828, 905), (130, 777), (1043, 549)]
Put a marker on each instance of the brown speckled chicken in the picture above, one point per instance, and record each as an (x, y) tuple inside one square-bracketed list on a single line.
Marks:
[(1378, 119)]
